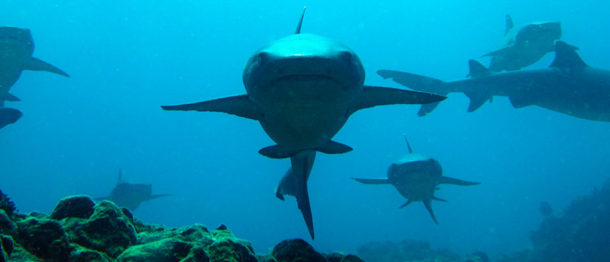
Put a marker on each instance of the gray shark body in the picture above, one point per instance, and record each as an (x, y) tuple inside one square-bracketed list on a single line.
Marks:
[(16, 49), (416, 177), (130, 195), (302, 89), (568, 86), (8, 116), (525, 46)]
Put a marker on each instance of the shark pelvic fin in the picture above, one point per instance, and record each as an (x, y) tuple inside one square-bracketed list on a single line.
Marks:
[(334, 148), (294, 183), (10, 97), (372, 181), (298, 31), (405, 204), (428, 205), (36, 64), (566, 57), (235, 105), (455, 181), (519, 101), (376, 96)]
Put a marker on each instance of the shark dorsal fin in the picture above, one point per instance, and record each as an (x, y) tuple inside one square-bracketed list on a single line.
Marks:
[(509, 24), (477, 69), (298, 31), (408, 145), (566, 57)]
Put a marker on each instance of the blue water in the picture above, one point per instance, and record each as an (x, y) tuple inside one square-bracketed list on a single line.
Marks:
[(127, 58)]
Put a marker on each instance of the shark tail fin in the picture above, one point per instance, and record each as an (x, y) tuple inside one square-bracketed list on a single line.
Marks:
[(294, 183), (372, 181), (428, 205), (36, 64), (455, 181), (418, 83)]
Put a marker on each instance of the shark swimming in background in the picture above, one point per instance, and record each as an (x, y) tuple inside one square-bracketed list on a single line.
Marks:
[(9, 116), (302, 89), (525, 46), (16, 49), (568, 86), (130, 195), (416, 177)]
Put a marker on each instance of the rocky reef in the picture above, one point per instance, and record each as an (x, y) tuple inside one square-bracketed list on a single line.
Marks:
[(413, 251), (80, 230), (580, 233)]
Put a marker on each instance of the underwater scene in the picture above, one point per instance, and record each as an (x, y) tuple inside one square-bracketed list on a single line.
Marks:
[(459, 131)]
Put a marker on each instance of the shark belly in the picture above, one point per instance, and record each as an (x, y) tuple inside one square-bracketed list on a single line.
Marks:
[(303, 114)]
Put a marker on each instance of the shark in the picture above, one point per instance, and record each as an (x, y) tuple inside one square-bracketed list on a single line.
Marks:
[(16, 49), (568, 86), (524, 46), (130, 195), (416, 177), (302, 89), (9, 116)]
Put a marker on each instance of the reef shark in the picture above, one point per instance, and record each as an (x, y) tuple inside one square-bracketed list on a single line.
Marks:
[(416, 177), (8, 116), (16, 49), (302, 89), (568, 86), (130, 195), (525, 46)]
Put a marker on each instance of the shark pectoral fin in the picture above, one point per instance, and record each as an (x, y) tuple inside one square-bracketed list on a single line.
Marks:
[(415, 82), (158, 196), (427, 109), (276, 152), (376, 96), (294, 183), (520, 101), (405, 204), (36, 64), (372, 181), (498, 52), (438, 199), (334, 148), (10, 97), (235, 105), (476, 100), (455, 181), (428, 205)]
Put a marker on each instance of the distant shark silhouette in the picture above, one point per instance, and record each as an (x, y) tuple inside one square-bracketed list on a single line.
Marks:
[(416, 177), (16, 49), (302, 89), (525, 46), (8, 116), (568, 86), (130, 195)]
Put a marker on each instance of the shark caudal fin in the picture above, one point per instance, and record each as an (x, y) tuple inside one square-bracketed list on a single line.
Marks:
[(36, 64), (418, 83), (477, 97), (235, 105), (294, 183), (455, 181)]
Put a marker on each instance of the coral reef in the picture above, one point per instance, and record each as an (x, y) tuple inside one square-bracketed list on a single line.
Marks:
[(80, 230), (7, 205)]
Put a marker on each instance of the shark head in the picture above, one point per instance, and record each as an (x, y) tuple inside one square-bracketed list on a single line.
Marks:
[(303, 57), (546, 32)]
